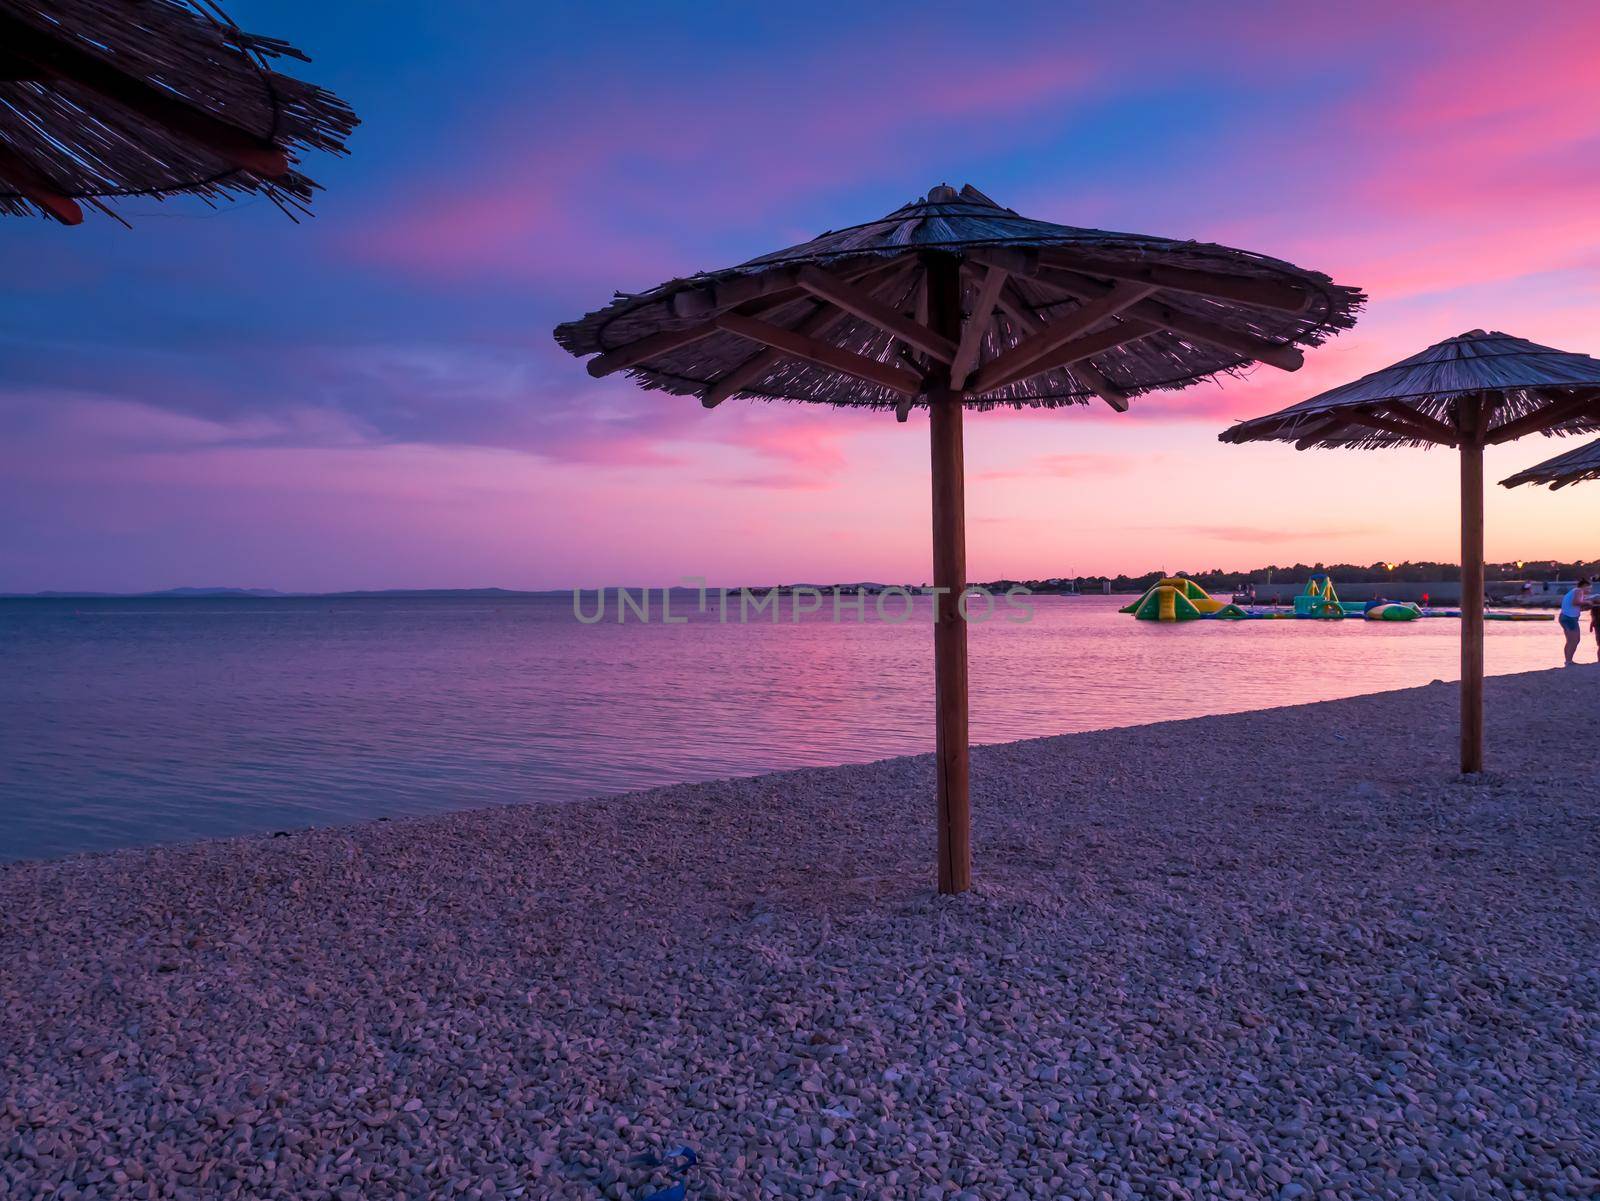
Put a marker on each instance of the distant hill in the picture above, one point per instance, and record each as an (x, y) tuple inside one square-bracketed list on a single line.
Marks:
[(213, 592), (166, 592), (424, 592)]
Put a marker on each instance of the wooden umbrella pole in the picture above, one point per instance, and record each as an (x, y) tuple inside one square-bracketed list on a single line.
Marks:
[(949, 580), (1471, 585)]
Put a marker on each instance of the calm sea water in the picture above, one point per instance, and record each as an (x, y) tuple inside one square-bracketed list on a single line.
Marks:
[(127, 722)]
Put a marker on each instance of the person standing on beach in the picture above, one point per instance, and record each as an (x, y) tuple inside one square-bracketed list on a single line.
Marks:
[(1572, 605), (1594, 621)]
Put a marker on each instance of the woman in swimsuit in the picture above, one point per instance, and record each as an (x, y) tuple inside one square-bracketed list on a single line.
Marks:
[(1572, 604)]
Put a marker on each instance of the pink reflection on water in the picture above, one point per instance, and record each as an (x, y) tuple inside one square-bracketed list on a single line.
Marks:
[(136, 722)]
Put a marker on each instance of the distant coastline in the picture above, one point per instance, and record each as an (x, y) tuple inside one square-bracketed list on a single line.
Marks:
[(1215, 580), (274, 594)]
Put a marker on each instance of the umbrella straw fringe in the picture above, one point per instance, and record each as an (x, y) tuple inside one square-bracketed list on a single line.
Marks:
[(86, 144)]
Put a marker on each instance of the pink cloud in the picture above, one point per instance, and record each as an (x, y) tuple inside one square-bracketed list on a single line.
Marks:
[(1068, 465), (1476, 161), (807, 447)]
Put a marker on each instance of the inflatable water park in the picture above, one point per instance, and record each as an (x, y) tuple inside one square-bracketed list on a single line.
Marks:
[(1177, 598)]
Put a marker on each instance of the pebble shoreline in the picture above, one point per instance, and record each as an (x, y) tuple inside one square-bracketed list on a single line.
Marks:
[(1283, 954)]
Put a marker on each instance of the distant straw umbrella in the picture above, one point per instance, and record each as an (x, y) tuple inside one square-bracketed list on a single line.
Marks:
[(1570, 468), (953, 302), (1468, 392), (103, 99)]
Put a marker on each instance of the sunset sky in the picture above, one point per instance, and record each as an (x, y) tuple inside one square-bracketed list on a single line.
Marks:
[(373, 398)]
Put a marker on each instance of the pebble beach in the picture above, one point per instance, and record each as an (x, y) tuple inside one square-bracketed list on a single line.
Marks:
[(1282, 954)]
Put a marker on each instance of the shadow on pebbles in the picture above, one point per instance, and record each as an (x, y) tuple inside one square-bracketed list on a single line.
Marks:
[(1286, 954)]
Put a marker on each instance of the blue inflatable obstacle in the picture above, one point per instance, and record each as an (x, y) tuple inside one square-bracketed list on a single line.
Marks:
[(1318, 599)]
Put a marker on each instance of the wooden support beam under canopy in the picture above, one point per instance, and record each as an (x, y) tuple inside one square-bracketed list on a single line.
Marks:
[(905, 347), (1242, 289), (869, 308), (667, 340), (1019, 362), (1575, 405), (99, 102), (977, 326), (1283, 356), (1442, 432), (813, 350), (1377, 420), (1071, 354), (1317, 431), (1466, 392), (1018, 313), (819, 321)]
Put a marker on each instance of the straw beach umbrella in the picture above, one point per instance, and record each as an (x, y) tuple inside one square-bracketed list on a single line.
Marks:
[(1467, 392), (101, 99), (954, 302), (1575, 465)]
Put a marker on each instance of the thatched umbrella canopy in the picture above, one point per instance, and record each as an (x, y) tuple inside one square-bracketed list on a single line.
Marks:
[(955, 302), (1575, 465), (1468, 392), (102, 99)]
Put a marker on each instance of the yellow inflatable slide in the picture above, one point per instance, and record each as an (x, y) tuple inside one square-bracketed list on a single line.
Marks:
[(1177, 599)]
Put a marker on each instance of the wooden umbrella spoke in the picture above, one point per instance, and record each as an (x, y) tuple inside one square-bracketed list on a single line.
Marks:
[(726, 294), (822, 318), (649, 347), (706, 300), (919, 308), (869, 308), (668, 340), (1414, 416), (1279, 355), (1015, 307), (1261, 293), (976, 325), (1102, 387), (1072, 352), (1319, 431), (758, 364), (1284, 357), (1397, 425), (1018, 362), (834, 358), (1543, 418)]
